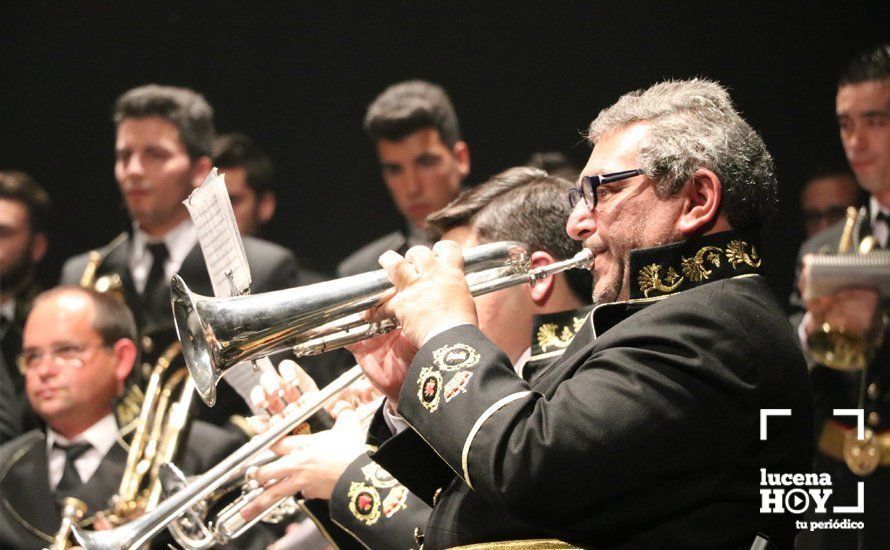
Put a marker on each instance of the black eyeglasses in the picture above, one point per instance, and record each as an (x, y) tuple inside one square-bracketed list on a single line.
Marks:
[(589, 185)]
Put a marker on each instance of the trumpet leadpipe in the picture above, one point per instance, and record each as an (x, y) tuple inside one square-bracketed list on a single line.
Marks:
[(480, 283)]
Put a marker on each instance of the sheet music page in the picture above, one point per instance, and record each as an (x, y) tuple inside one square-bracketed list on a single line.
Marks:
[(211, 210)]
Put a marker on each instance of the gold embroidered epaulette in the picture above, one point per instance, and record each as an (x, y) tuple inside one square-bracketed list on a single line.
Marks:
[(680, 266)]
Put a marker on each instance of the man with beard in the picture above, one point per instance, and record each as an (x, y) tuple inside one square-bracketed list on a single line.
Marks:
[(24, 209), (645, 433), (162, 152)]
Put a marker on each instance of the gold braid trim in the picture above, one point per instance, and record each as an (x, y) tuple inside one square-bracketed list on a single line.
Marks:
[(531, 544)]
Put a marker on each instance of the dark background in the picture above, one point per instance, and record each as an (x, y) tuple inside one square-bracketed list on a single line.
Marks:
[(298, 76)]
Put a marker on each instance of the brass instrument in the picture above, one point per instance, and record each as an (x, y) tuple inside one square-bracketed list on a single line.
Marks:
[(836, 347), (72, 512), (106, 283), (156, 440), (157, 417), (219, 332)]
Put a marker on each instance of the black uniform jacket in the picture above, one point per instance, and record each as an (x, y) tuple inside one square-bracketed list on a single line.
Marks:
[(29, 517), (645, 433), (377, 510)]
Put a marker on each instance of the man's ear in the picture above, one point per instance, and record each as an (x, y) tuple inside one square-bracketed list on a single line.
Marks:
[(39, 244), (266, 205), (200, 168), (462, 153), (125, 355), (542, 289), (702, 196)]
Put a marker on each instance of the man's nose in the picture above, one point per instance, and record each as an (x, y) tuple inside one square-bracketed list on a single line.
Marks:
[(413, 185), (856, 138), (133, 166), (581, 222)]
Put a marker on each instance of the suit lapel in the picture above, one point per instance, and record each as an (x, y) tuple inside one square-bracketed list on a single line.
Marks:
[(117, 260), (26, 485), (194, 272)]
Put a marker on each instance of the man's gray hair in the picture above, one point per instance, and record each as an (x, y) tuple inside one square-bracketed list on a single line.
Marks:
[(693, 124)]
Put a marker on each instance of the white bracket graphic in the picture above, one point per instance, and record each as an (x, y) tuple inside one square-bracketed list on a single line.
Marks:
[(860, 420), (764, 413)]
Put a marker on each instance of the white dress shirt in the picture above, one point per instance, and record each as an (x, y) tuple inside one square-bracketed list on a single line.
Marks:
[(879, 231), (179, 241), (102, 436)]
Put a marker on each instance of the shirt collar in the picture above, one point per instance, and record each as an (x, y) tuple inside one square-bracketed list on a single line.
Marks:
[(873, 208), (180, 241), (102, 435), (523, 359), (8, 309)]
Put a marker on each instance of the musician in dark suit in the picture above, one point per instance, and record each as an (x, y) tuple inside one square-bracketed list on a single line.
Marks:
[(162, 151), (645, 432), (422, 158), (863, 113), (533, 324), (78, 349), (24, 214)]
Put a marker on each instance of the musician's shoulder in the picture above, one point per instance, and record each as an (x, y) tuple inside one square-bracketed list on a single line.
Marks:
[(19, 445), (824, 241), (365, 258), (264, 249)]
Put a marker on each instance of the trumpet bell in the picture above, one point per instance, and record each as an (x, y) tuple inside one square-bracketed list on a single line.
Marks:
[(199, 343)]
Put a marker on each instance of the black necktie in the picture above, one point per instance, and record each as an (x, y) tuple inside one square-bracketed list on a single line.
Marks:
[(71, 481), (154, 298)]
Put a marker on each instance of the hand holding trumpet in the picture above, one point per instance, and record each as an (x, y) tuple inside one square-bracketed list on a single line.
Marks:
[(310, 464), (431, 295)]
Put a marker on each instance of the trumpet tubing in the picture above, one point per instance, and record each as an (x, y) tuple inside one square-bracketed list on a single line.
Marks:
[(142, 529)]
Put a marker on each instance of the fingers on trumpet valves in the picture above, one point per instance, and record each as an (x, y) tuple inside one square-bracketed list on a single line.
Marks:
[(258, 423), (295, 379), (274, 390), (400, 271)]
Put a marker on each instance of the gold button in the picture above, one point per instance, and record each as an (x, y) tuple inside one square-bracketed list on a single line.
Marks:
[(436, 496), (872, 391), (874, 419), (418, 536), (147, 344), (146, 370)]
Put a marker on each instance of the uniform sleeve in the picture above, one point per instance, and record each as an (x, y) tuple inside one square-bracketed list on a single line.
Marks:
[(377, 510)]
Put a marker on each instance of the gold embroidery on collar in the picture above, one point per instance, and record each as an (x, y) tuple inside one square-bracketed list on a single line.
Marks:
[(650, 279), (577, 323), (694, 268), (736, 254), (548, 337)]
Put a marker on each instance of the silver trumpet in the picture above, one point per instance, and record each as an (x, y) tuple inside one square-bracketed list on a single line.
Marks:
[(235, 466), (217, 333)]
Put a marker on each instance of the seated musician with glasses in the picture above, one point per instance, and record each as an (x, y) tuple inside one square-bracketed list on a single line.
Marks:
[(645, 433), (533, 324), (78, 348)]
